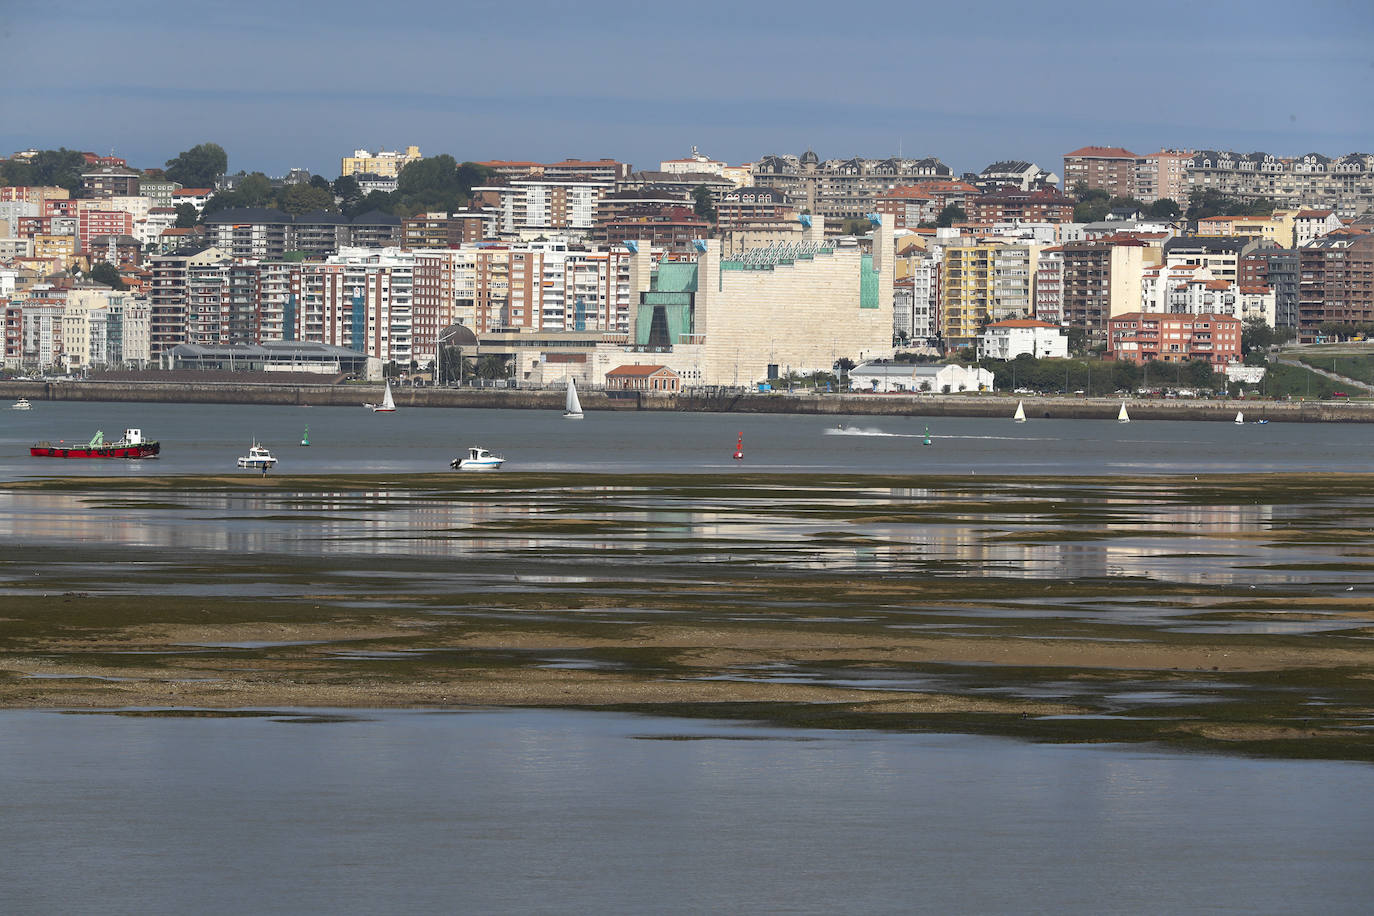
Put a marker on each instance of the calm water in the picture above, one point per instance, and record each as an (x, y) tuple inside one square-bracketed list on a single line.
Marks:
[(201, 439), (535, 811)]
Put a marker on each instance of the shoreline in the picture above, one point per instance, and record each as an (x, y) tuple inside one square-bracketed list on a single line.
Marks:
[(735, 400)]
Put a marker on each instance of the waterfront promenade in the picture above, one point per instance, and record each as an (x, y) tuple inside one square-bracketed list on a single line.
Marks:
[(720, 400)]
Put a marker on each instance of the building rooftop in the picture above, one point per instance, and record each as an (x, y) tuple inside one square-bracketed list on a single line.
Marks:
[(1101, 152)]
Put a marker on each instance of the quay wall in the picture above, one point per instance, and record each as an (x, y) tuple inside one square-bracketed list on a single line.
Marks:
[(719, 401)]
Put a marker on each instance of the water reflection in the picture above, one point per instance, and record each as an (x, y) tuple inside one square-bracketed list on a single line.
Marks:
[(537, 811)]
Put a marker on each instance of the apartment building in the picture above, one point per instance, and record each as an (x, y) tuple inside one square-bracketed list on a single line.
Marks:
[(1106, 168), (1163, 175), (1278, 269), (527, 208), (1313, 181), (983, 282), (381, 162), (248, 232), (110, 181), (169, 295), (1100, 280), (447, 230), (1013, 174), (1335, 285), (1023, 336), (1139, 336), (91, 222), (909, 206), (1049, 285), (840, 189), (1039, 206)]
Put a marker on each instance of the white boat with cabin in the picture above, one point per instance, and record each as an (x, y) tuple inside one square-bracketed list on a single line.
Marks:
[(259, 458), (478, 459), (21, 404)]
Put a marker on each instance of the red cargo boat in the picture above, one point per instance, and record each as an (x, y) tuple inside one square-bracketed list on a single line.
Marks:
[(133, 445)]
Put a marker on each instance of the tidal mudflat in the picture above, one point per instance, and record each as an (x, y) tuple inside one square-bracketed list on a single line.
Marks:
[(1224, 613)]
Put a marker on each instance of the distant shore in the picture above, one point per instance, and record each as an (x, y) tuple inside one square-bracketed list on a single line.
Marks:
[(732, 400)]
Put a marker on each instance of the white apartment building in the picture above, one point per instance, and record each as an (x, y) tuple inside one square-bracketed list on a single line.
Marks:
[(1049, 285), (1017, 336)]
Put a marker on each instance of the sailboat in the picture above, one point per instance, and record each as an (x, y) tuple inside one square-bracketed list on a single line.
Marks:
[(388, 405), (1020, 415), (1122, 416), (572, 407), (1240, 417)]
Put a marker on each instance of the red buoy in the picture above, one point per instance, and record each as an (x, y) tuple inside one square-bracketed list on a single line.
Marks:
[(739, 448)]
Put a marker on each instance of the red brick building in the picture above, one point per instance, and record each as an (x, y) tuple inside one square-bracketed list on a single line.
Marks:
[(1170, 338), (643, 378), (1110, 168), (1002, 206)]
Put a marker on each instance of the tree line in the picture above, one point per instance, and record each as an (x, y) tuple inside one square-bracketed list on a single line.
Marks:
[(434, 183)]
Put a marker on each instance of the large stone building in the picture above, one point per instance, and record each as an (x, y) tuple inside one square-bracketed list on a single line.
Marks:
[(796, 307)]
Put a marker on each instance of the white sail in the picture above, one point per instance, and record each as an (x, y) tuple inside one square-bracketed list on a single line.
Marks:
[(388, 403), (1122, 416), (1240, 416), (572, 408), (1020, 415)]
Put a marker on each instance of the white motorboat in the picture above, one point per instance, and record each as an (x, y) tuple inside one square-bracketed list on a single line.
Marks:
[(478, 459), (259, 458), (1122, 416), (572, 406), (21, 404), (1020, 415), (388, 404)]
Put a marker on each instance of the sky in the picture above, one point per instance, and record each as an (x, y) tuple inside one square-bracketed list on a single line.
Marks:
[(282, 85)]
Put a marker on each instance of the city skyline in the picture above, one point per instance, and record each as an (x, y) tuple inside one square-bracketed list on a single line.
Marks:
[(282, 87)]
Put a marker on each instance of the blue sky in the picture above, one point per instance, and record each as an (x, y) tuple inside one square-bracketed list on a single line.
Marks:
[(283, 84)]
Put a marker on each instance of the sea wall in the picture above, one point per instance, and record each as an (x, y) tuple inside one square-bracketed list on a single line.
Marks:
[(720, 401)]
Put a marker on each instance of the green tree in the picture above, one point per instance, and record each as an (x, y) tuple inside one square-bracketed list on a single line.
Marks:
[(255, 190), (374, 200), (186, 216), (951, 214), (1078, 339), (319, 181), (490, 367), (303, 198), (346, 187), (60, 167), (431, 184), (855, 226), (106, 273), (702, 204), (199, 167), (1164, 208)]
